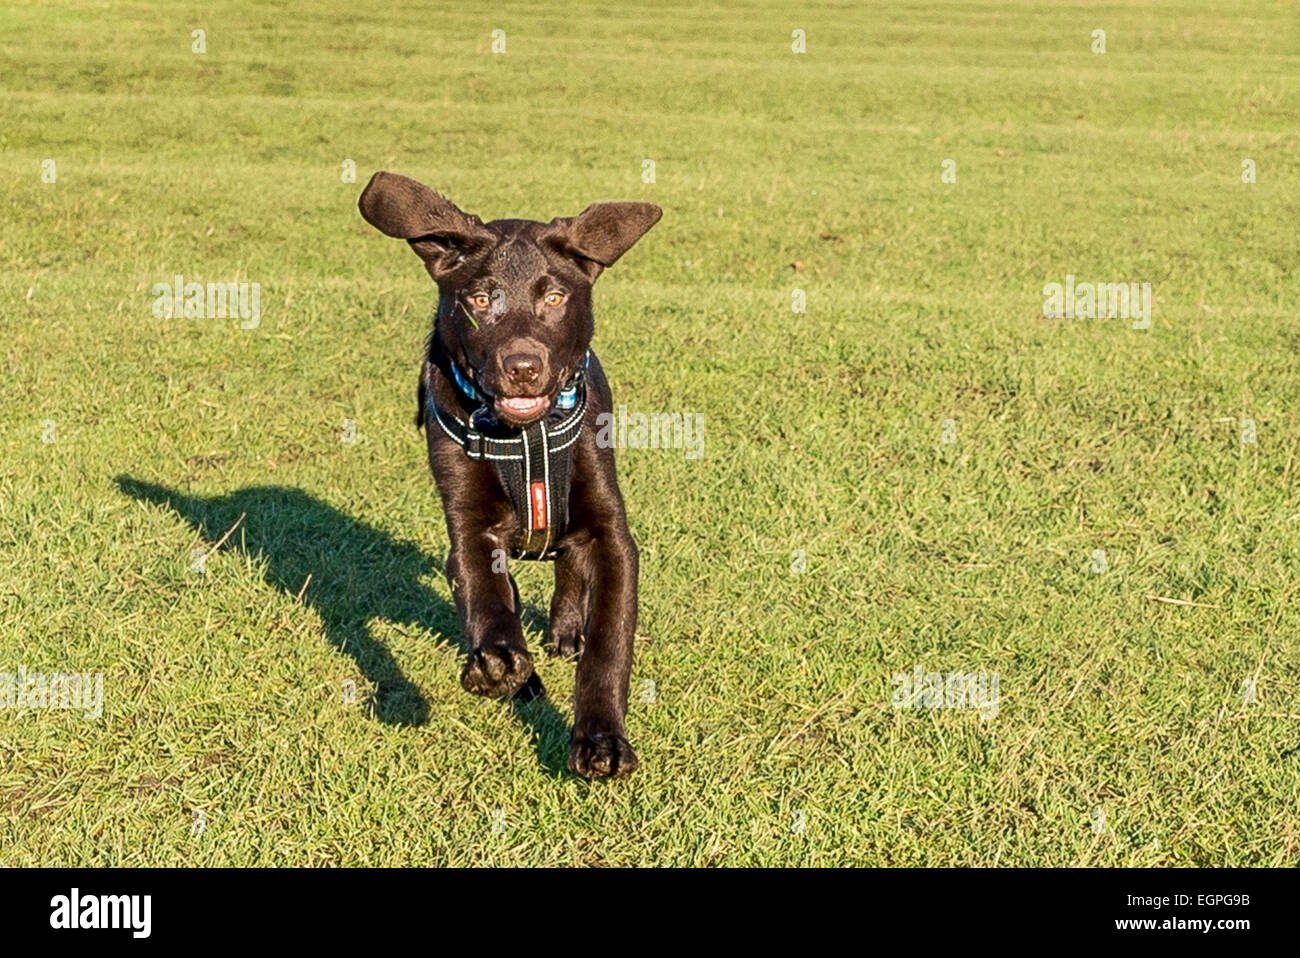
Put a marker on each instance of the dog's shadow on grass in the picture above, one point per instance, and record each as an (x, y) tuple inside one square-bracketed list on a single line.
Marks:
[(358, 573)]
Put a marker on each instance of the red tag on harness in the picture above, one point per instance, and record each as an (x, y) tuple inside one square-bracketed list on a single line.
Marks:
[(537, 494)]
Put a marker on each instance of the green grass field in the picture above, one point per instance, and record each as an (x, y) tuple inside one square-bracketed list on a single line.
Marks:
[(828, 539)]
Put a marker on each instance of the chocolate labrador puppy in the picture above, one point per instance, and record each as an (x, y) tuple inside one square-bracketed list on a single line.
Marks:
[(509, 397)]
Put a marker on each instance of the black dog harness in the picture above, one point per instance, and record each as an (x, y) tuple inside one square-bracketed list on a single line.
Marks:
[(535, 464)]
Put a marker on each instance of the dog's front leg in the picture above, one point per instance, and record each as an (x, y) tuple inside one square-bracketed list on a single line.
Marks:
[(488, 604), (599, 747), (478, 517)]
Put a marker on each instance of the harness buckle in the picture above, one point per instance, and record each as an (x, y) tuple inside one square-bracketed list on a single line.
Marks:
[(480, 421), (474, 444)]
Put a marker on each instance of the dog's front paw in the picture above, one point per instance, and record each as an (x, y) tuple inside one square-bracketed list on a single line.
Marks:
[(496, 670), (601, 755)]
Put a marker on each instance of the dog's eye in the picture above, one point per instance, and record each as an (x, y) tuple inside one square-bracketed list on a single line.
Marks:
[(553, 298), (480, 300)]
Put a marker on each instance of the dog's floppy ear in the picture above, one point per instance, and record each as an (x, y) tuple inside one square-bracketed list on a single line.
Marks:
[(603, 232), (442, 234)]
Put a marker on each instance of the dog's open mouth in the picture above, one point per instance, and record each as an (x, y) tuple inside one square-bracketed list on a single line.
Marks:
[(522, 408)]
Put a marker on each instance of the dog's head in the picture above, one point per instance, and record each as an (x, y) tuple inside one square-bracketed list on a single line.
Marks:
[(514, 305)]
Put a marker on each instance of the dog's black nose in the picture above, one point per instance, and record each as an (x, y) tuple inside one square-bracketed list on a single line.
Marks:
[(522, 368)]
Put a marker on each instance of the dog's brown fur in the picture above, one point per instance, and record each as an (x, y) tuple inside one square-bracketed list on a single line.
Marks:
[(522, 346)]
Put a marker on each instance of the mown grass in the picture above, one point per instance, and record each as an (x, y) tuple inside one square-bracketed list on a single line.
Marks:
[(771, 688)]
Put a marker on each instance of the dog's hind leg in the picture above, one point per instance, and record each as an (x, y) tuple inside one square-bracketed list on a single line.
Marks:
[(566, 633)]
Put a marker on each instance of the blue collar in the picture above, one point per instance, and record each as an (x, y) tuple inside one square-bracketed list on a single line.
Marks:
[(463, 384)]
